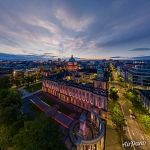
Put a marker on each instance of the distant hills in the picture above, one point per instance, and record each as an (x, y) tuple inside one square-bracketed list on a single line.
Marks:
[(142, 58), (4, 56), (131, 58)]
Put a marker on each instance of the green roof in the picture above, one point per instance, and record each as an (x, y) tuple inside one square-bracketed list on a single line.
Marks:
[(72, 59), (100, 70)]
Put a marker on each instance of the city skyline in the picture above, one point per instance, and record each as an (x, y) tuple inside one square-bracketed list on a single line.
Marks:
[(86, 29)]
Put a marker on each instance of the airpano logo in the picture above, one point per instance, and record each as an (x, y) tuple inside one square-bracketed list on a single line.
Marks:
[(133, 143)]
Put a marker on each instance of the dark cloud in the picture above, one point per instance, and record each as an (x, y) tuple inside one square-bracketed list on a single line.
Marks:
[(47, 53), (140, 49), (142, 58), (117, 57), (83, 28)]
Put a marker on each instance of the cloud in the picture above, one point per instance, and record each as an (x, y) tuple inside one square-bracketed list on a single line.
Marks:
[(142, 58), (71, 22), (38, 22), (118, 57), (47, 53), (83, 28), (140, 49)]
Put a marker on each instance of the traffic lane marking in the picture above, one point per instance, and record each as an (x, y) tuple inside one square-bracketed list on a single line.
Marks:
[(133, 132)]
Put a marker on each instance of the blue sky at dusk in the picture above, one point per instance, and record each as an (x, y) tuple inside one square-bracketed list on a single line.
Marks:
[(85, 28)]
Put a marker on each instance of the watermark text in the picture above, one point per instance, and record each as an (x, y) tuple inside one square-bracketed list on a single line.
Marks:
[(133, 143)]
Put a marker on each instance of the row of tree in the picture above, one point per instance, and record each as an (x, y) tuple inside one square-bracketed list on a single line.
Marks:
[(117, 116), (19, 132), (8, 81), (139, 108), (10, 117), (115, 110), (113, 94), (25, 80)]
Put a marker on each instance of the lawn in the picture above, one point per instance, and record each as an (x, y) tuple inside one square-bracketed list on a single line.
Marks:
[(34, 87)]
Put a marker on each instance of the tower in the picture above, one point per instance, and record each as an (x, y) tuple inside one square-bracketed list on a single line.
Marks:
[(100, 72), (83, 127), (100, 82)]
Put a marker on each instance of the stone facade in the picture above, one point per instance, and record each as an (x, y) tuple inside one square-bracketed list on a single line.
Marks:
[(85, 99)]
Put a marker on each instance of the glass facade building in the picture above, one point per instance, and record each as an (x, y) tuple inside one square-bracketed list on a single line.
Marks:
[(139, 76)]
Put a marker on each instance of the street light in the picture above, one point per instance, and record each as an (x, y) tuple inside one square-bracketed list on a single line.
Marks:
[(14, 74)]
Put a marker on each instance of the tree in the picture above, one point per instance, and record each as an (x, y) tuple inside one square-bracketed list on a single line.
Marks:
[(17, 82), (111, 77), (27, 79), (146, 121), (11, 119), (23, 80), (9, 97), (32, 78), (117, 117), (4, 82), (113, 93), (39, 135), (136, 102), (5, 137), (38, 76), (10, 104)]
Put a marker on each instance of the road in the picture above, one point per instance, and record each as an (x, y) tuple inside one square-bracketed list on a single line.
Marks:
[(133, 130)]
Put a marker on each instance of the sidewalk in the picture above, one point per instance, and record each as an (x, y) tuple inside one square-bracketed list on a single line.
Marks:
[(30, 94), (25, 93), (113, 141)]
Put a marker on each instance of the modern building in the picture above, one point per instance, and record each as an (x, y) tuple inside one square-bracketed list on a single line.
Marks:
[(145, 97), (139, 77)]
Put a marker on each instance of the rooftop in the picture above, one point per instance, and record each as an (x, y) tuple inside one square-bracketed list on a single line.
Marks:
[(72, 59), (87, 87)]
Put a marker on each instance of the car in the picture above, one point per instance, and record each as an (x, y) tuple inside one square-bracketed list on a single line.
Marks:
[(125, 122), (132, 116)]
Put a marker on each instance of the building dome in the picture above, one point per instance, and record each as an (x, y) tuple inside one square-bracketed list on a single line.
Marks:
[(72, 64), (72, 59)]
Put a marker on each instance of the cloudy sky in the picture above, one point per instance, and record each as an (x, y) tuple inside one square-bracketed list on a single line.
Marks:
[(84, 28)]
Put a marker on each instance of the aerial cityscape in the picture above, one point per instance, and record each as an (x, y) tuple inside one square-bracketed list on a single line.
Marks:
[(74, 75)]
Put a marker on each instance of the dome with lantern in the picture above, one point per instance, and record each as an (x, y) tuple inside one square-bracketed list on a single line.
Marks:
[(72, 64)]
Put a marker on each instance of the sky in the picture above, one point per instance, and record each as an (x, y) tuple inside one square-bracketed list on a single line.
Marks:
[(84, 28)]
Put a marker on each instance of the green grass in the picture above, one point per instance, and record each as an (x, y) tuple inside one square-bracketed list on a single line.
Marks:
[(34, 87)]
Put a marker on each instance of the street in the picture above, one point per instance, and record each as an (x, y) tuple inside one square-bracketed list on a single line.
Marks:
[(133, 130)]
